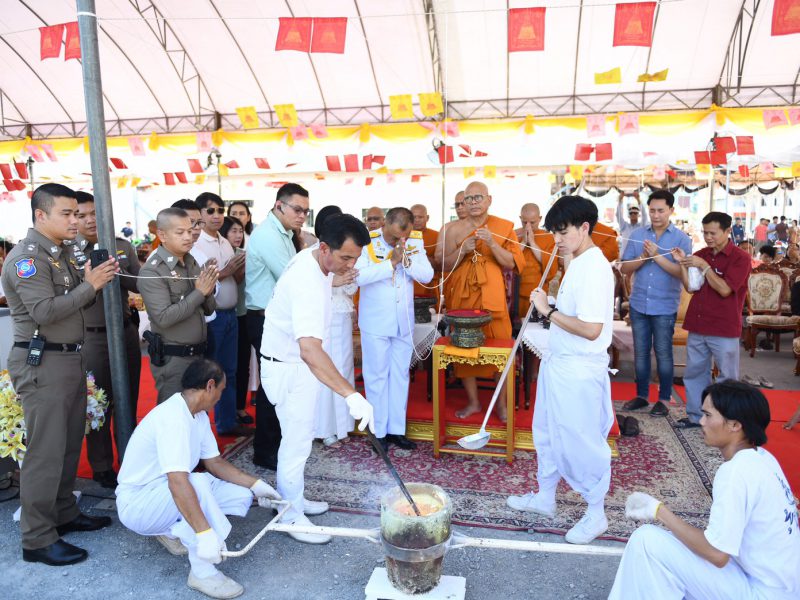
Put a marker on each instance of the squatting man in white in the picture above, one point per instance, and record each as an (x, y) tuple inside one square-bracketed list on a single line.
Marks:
[(750, 549), (160, 495), (573, 412), (294, 364)]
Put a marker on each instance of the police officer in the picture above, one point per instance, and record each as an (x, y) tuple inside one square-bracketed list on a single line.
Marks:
[(99, 449), (177, 295), (387, 270), (46, 298)]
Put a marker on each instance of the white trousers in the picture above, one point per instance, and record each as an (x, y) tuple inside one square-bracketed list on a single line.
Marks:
[(386, 361), (657, 566), (152, 511), (293, 389), (571, 421), (333, 416)]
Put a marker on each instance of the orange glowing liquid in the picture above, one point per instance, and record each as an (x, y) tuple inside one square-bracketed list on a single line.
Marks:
[(427, 505)]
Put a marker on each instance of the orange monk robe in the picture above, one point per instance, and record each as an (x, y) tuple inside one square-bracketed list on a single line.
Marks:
[(429, 290), (532, 273), (605, 238), (478, 282)]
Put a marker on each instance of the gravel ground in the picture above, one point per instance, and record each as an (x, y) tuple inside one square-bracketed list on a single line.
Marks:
[(122, 564)]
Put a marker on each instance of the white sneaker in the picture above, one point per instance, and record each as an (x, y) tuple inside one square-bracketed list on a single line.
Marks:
[(588, 528), (313, 508), (173, 545), (531, 502), (307, 538), (216, 586)]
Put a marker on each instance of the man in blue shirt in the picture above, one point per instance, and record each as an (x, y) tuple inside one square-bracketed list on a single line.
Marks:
[(738, 231), (655, 297)]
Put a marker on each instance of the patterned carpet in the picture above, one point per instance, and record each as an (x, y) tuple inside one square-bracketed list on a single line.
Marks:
[(673, 465)]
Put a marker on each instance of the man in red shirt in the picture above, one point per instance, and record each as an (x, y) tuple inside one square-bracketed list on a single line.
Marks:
[(714, 316), (760, 233)]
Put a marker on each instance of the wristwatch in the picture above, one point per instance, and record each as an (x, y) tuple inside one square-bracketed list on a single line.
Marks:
[(550, 312)]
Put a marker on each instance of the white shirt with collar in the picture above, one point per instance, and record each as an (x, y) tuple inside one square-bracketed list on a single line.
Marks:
[(220, 249)]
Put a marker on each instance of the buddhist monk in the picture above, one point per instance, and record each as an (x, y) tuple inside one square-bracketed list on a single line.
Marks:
[(429, 237), (460, 206), (487, 246), (605, 238), (374, 218), (539, 244)]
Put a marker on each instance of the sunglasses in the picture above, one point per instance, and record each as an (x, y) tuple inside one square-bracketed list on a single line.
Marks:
[(459, 204), (211, 210)]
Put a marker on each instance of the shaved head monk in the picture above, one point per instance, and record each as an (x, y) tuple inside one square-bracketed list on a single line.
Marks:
[(539, 244), (429, 237), (461, 207), (374, 219), (477, 249)]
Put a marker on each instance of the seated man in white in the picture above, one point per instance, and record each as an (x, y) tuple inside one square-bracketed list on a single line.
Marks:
[(751, 547), (160, 495)]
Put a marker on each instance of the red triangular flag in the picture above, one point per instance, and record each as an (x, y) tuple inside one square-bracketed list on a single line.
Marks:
[(50, 41), (262, 163), (702, 158), (294, 34), (194, 165), (6, 171), (786, 17), (725, 144), (232, 164), (633, 24), (9, 185), (169, 178), (583, 151), (718, 157), (744, 170), (744, 145), (72, 46), (329, 35), (182, 177), (351, 163), (22, 170), (378, 160), (526, 29), (467, 151), (118, 163), (19, 185), (603, 152), (415, 178), (333, 163), (479, 154), (369, 180), (445, 154), (366, 162)]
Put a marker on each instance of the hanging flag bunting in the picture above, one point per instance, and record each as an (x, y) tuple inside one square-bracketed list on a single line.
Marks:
[(526, 29), (576, 171), (287, 115), (169, 178), (328, 35), (378, 159), (9, 185), (182, 177), (136, 145), (796, 169), (382, 170), (469, 172), (351, 163), (657, 76), (633, 24), (34, 152), (725, 144), (702, 157), (449, 128), (606, 77), (479, 154), (135, 181), (401, 106), (223, 170), (390, 178), (22, 170), (466, 151), (366, 162), (248, 117), (348, 181), (6, 171), (583, 151), (596, 125), (262, 163), (794, 115), (603, 152), (319, 176), (628, 123), (294, 34), (786, 17), (318, 130), (445, 154), (204, 141), (333, 163), (122, 181), (249, 183), (431, 104), (774, 118), (489, 172), (72, 45), (415, 178), (369, 180), (194, 165), (200, 179), (767, 168), (718, 157), (48, 151), (232, 164), (659, 173), (118, 163), (153, 143), (50, 41), (744, 170), (299, 133), (782, 173), (744, 145)]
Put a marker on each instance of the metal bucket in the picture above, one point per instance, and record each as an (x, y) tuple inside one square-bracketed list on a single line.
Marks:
[(415, 545)]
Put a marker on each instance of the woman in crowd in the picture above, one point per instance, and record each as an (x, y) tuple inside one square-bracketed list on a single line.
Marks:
[(234, 231), (240, 210)]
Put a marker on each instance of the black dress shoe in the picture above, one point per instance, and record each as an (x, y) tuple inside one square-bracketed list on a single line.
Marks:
[(635, 404), (106, 479), (401, 441), (686, 423), (384, 442), (238, 431), (266, 462), (659, 409), (84, 523), (245, 419), (57, 554)]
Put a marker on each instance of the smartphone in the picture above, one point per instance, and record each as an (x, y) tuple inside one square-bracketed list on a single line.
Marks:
[(98, 257)]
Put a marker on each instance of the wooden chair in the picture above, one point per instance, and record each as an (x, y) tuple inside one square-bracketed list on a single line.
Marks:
[(766, 289)]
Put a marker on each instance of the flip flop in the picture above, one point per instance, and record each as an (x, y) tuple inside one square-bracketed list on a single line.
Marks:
[(764, 382), (751, 380)]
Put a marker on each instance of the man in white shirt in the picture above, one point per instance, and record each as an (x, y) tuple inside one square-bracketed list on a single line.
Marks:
[(387, 270), (751, 547), (573, 412), (223, 331), (627, 227), (161, 495), (294, 363)]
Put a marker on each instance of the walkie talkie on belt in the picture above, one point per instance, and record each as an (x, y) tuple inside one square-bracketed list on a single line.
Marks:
[(35, 349)]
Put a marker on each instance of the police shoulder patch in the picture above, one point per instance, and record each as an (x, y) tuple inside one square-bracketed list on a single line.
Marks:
[(25, 268)]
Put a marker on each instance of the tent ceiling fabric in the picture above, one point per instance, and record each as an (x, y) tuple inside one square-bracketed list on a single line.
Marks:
[(166, 59)]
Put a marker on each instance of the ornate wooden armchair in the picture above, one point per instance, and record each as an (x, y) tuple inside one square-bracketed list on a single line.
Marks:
[(765, 292)]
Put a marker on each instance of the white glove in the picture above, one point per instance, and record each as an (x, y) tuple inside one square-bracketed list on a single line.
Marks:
[(210, 546), (641, 507), (261, 489), (696, 279), (361, 409)]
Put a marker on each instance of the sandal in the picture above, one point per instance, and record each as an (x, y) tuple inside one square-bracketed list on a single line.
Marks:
[(751, 380), (765, 383)]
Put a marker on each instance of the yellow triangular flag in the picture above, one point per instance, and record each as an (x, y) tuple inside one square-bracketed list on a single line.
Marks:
[(783, 172), (796, 169), (551, 178), (576, 171), (431, 104), (401, 106), (248, 117), (122, 181), (489, 172), (612, 76), (223, 171), (569, 179), (657, 76), (287, 115), (702, 170), (382, 170), (469, 172), (135, 181), (200, 179), (153, 143), (217, 137)]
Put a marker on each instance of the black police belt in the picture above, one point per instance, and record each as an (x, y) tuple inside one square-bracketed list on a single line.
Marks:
[(52, 347), (185, 350)]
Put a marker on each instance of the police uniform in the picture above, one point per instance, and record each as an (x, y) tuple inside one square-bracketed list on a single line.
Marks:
[(99, 449), (177, 312), (45, 293), (386, 321)]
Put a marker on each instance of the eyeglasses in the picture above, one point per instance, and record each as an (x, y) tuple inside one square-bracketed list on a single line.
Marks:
[(477, 199), (298, 209), (373, 218), (197, 224), (459, 204), (211, 210)]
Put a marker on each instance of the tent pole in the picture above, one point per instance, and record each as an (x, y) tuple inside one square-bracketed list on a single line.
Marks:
[(727, 191), (98, 154)]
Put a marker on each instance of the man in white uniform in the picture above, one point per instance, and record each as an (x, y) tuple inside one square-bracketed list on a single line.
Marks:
[(387, 270), (294, 363), (573, 412), (751, 547), (159, 494)]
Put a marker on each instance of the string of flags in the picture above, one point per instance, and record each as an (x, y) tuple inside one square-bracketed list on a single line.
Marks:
[(52, 37)]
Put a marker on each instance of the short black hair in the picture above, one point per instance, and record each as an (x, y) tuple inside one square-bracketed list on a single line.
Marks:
[(339, 228), (664, 195), (84, 197), (44, 196), (399, 215), (248, 229), (167, 214), (199, 372), (186, 204), (227, 223), (738, 218), (783, 218), (287, 190), (325, 213), (207, 198), (571, 210), (742, 402), (724, 219), (768, 250)]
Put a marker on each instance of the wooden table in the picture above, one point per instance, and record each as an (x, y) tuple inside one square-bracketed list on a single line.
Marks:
[(493, 352)]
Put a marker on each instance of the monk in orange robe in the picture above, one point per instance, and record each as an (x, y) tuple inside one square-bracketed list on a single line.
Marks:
[(476, 250), (429, 237), (605, 238), (539, 245)]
